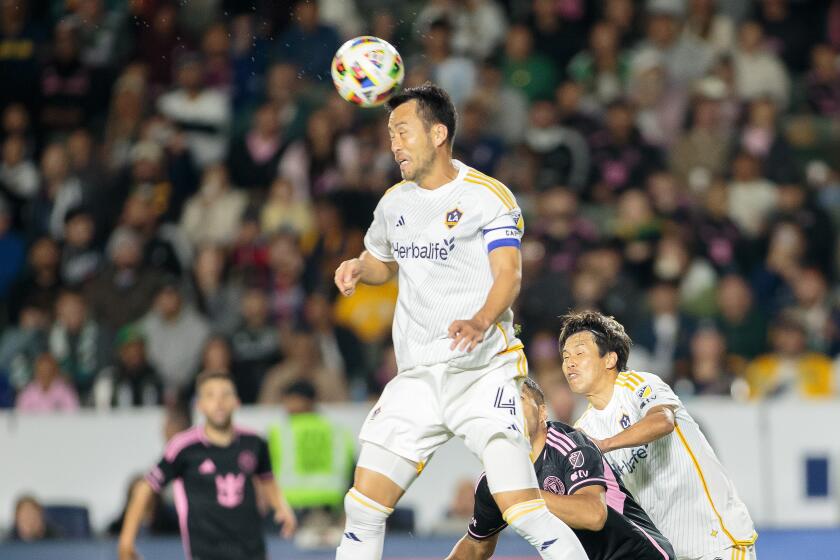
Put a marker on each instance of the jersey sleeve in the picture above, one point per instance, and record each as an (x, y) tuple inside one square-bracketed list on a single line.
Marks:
[(170, 467), (649, 391), (584, 466), (376, 238), (502, 222), (263, 460), (487, 519)]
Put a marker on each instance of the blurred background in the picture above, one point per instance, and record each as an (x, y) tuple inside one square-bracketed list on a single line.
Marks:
[(179, 181)]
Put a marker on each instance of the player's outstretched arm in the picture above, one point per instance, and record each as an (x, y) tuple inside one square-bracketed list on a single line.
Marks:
[(140, 498), (506, 265), (283, 513), (366, 269), (469, 548), (585, 509), (657, 423)]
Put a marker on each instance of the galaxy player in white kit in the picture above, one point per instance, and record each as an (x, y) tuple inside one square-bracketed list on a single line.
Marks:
[(452, 235)]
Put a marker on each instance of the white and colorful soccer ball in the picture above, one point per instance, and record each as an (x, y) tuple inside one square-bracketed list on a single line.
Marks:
[(367, 71)]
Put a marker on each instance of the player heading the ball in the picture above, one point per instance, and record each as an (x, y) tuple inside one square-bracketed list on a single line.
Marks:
[(459, 362)]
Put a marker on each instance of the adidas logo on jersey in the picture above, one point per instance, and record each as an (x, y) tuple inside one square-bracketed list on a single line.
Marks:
[(400, 222), (431, 251)]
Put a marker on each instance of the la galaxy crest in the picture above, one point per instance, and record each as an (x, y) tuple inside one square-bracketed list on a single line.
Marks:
[(453, 217), (624, 420)]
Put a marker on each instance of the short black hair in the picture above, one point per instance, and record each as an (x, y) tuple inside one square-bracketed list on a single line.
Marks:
[(433, 105), (301, 388), (608, 333), (206, 376), (536, 391)]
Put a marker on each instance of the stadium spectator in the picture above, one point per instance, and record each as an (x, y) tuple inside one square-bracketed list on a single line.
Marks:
[(254, 157), (108, 293), (48, 391), (131, 381), (304, 361), (823, 81), (215, 294), (321, 162), (703, 149), (796, 204), (603, 69), (12, 250), (308, 42), (70, 91), (742, 323), (456, 73), (19, 175), (102, 36), (684, 57), (30, 524), (708, 371), (21, 44), (665, 331), (718, 238), (473, 143), (283, 212), (201, 113), (21, 343), (215, 54), (758, 72), (812, 309), (752, 197), (80, 258), (158, 41), (660, 102), (706, 22), (506, 106), (789, 32), (340, 348), (255, 344), (40, 283), (561, 154), (175, 334), (212, 215), (60, 191), (78, 343), (530, 72), (620, 157), (789, 369)]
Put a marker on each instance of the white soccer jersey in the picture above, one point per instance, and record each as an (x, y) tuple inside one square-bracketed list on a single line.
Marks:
[(441, 239), (677, 479)]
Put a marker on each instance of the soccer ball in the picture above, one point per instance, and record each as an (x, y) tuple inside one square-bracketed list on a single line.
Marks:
[(367, 71)]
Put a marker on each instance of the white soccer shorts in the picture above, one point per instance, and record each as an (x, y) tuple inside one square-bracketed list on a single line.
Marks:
[(424, 407)]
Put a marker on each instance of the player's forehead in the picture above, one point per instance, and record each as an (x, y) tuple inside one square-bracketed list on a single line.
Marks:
[(405, 115), (582, 339)]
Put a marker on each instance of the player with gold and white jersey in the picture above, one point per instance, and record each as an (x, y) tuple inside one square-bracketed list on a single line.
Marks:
[(654, 444)]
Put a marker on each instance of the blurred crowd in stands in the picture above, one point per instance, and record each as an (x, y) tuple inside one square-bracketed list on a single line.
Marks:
[(179, 181)]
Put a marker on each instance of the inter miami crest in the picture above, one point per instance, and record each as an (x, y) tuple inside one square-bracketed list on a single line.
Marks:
[(453, 217)]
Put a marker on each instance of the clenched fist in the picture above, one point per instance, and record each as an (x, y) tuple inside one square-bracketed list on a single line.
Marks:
[(347, 275)]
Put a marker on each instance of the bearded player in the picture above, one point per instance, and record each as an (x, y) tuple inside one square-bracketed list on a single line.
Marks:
[(216, 468)]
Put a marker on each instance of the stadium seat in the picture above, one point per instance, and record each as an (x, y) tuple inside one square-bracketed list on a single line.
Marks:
[(71, 521)]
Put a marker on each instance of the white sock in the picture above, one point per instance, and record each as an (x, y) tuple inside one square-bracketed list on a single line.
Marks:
[(364, 530), (551, 537)]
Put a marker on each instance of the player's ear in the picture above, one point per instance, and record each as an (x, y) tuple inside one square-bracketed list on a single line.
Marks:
[(439, 134), (612, 360), (543, 414)]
